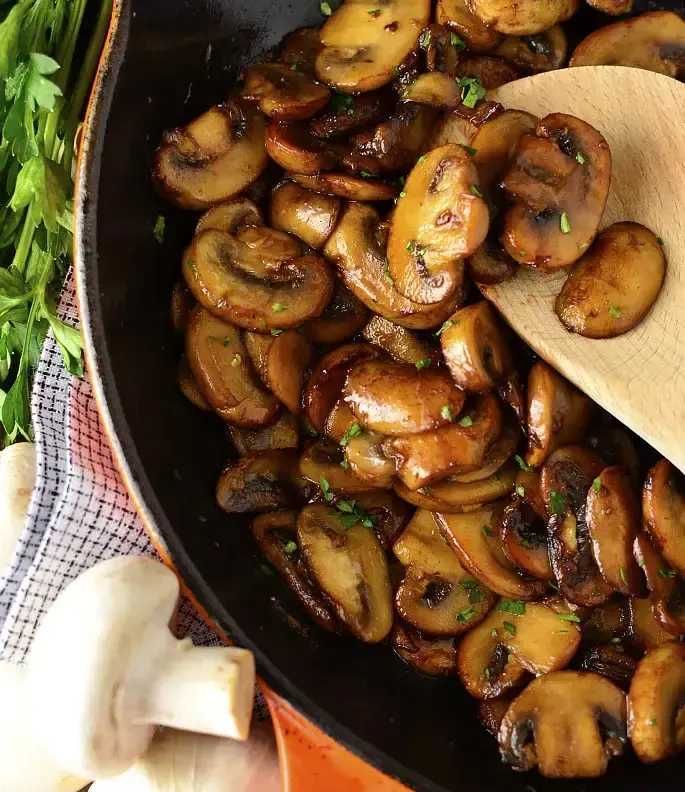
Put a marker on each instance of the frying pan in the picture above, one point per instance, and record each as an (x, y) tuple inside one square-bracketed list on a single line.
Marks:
[(166, 61)]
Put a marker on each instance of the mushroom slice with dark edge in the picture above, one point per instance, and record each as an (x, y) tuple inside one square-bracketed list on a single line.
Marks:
[(322, 462), (437, 595), (491, 712), (357, 248), (653, 41), (533, 54), (663, 508), (495, 457), (612, 7), (231, 216), (613, 444), (287, 362), (441, 48), (523, 18), (260, 481), (645, 631), (343, 317), (213, 158), (258, 345), (562, 710), (559, 182), (523, 534), (363, 44), (301, 48), (435, 89), (667, 589), (431, 656), (308, 215), (613, 517), (439, 221), (346, 114), (238, 284), (475, 538), (294, 148), (528, 489), (344, 185), (276, 535), (364, 454), (610, 662), (655, 703), (490, 72), (284, 433), (453, 497), (399, 399), (614, 285), (325, 385), (182, 303), (389, 514), (284, 93), (475, 348), (219, 363), (350, 566), (189, 387), (557, 413), (456, 448), (608, 623), (516, 639), (469, 28), (491, 264), (400, 343)]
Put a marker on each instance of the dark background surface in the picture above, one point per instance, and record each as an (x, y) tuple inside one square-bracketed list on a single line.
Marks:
[(181, 56)]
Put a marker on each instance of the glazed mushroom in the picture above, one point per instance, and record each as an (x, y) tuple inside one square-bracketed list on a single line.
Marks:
[(365, 457), (667, 596), (439, 221), (401, 344), (213, 158), (612, 7), (559, 183), (557, 413), (525, 18), (611, 662), (457, 16), (296, 149), (645, 631), (490, 72), (388, 514), (350, 566), (663, 508), (653, 41), (533, 54), (491, 264), (596, 302), (322, 461), (342, 318), (437, 596), (346, 185), (284, 433), (260, 481), (613, 517), (276, 534), (95, 703), (399, 399), (283, 93), (435, 89), (189, 387), (362, 45), (523, 534), (566, 478), (459, 447), (346, 114), (613, 444), (432, 656), (491, 712), (516, 639), (182, 303), (304, 213), (301, 48), (288, 360), (441, 48), (219, 363), (562, 709), (475, 348)]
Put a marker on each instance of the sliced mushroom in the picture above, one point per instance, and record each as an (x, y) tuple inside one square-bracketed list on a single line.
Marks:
[(213, 158), (282, 434), (524, 18), (533, 54), (388, 513), (667, 590), (343, 317), (364, 454), (510, 391), (399, 343), (491, 712), (350, 566), (308, 215), (475, 538), (441, 48), (288, 360), (237, 283), (528, 489), (495, 457), (301, 48), (613, 444), (559, 182), (182, 303), (645, 630), (568, 724), (258, 345), (260, 481), (346, 114), (490, 72), (614, 285), (516, 639), (435, 89), (491, 264), (663, 508), (294, 148), (456, 15), (283, 93), (475, 348), (437, 595), (610, 662), (653, 41), (232, 216), (431, 656), (344, 185), (398, 399), (323, 461), (189, 387), (362, 45), (655, 701), (219, 363), (608, 623), (612, 7), (276, 535), (440, 221), (457, 448), (453, 497), (328, 378), (613, 517), (357, 248), (557, 412), (524, 539)]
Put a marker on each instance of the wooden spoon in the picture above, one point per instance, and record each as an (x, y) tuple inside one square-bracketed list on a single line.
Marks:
[(638, 377)]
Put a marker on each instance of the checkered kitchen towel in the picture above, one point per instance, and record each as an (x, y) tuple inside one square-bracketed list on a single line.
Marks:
[(80, 512)]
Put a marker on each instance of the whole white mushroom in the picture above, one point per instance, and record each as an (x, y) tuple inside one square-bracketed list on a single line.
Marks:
[(104, 670)]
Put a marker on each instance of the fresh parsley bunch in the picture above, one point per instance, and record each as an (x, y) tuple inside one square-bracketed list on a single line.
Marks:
[(43, 87)]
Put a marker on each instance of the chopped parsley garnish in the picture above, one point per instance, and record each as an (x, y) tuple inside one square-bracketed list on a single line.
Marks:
[(667, 573), (423, 363), (652, 721), (475, 594), (471, 91), (266, 570), (469, 150), (425, 38), (615, 312), (375, 13), (525, 543), (354, 431), (445, 326), (520, 490), (295, 67), (497, 476), (410, 245), (487, 673), (493, 633), (557, 502), (553, 586), (344, 464), (622, 572), (403, 194), (487, 531), (580, 158), (522, 463), (446, 412), (597, 485), (564, 224), (326, 9), (660, 241), (510, 606), (455, 41), (509, 627), (395, 70), (421, 251), (421, 159), (290, 547), (386, 273), (158, 230), (569, 617), (466, 421), (326, 489), (278, 307), (476, 191), (276, 332), (466, 615)]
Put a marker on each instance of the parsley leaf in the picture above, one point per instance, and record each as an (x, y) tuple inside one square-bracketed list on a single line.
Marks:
[(423, 363), (509, 627), (557, 502), (446, 412), (466, 421), (471, 91), (569, 617), (325, 8), (564, 223), (510, 606), (597, 484), (522, 464), (290, 547), (614, 312), (158, 230), (355, 430)]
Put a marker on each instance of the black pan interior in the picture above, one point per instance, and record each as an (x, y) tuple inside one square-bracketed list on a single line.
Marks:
[(172, 58)]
